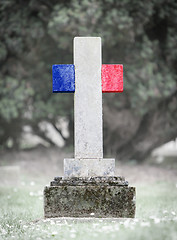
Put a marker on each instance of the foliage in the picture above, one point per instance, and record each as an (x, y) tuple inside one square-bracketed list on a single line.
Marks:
[(36, 34)]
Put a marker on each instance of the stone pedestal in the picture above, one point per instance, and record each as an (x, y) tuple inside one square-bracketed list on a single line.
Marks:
[(86, 168), (89, 197)]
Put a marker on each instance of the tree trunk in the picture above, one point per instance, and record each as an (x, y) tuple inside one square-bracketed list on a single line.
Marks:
[(156, 127)]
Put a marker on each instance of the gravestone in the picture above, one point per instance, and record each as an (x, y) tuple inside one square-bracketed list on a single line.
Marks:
[(89, 187)]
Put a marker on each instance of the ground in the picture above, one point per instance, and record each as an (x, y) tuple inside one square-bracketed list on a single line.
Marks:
[(23, 176)]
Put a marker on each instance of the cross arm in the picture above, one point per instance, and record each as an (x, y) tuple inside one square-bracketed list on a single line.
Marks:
[(112, 78), (63, 78)]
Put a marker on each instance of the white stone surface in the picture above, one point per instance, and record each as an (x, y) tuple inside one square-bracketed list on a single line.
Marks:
[(89, 167), (88, 99), (88, 161)]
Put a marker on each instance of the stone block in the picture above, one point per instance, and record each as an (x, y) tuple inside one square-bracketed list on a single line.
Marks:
[(88, 98), (112, 77), (63, 78), (89, 197), (89, 167)]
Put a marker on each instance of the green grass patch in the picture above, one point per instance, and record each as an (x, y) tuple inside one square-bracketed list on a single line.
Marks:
[(21, 216)]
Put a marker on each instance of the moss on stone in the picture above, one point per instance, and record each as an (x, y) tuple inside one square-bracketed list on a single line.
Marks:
[(81, 201)]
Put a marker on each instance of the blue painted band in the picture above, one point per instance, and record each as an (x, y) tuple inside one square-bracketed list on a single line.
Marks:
[(63, 78)]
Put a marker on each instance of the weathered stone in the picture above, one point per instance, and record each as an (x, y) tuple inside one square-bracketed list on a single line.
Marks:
[(79, 197), (63, 78), (89, 187), (112, 78), (98, 181), (88, 98), (89, 167)]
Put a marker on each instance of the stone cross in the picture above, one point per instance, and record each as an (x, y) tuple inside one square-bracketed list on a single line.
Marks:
[(88, 78)]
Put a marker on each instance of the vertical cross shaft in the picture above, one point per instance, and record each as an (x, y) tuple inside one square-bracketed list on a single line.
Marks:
[(88, 78), (88, 159), (88, 98)]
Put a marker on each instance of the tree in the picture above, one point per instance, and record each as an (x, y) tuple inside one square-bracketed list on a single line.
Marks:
[(141, 35)]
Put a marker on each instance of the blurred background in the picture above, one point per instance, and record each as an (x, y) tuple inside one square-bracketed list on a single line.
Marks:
[(141, 35), (140, 124)]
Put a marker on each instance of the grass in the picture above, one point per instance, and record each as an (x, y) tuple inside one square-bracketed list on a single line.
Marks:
[(21, 216)]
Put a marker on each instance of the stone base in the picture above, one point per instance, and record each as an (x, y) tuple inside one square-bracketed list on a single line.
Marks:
[(106, 197), (89, 167)]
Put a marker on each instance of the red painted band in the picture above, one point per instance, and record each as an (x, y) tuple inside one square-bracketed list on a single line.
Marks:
[(112, 78)]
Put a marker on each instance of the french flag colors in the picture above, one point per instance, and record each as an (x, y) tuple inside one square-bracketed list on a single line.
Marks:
[(64, 78)]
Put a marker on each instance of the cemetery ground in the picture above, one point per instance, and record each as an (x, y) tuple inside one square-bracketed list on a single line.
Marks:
[(24, 174)]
